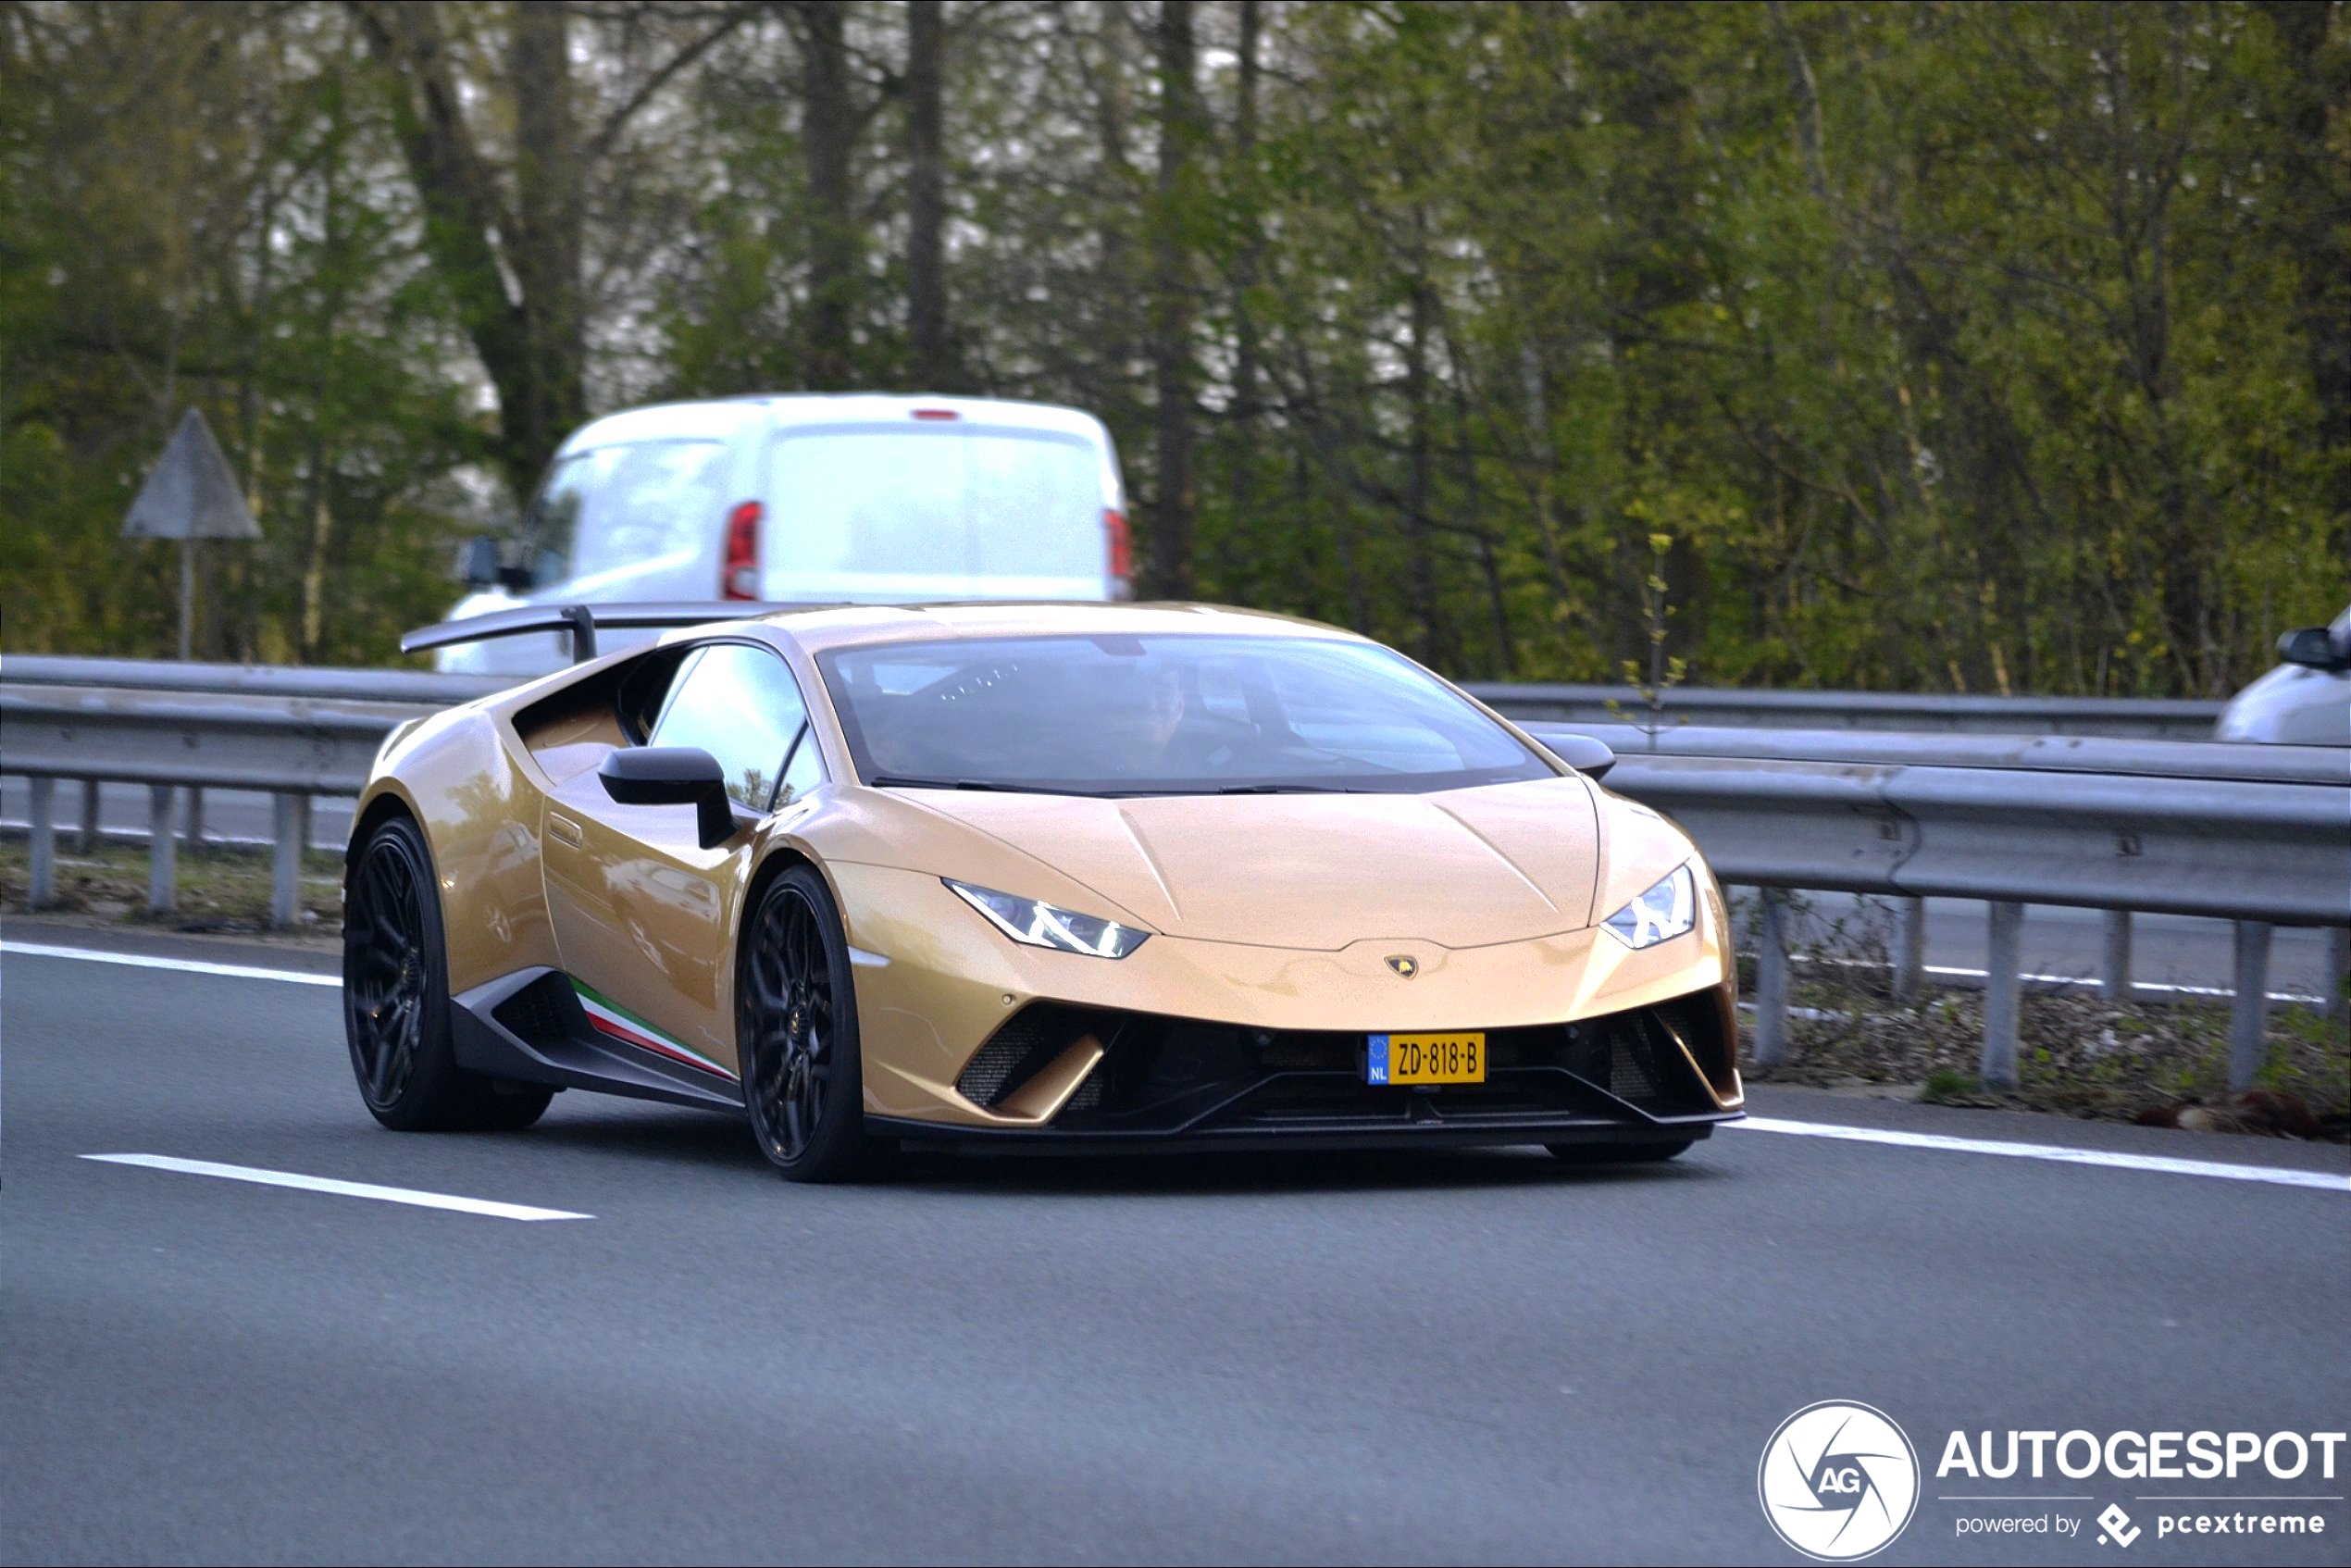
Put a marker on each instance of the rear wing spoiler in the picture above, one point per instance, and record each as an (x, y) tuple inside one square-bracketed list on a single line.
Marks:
[(581, 621)]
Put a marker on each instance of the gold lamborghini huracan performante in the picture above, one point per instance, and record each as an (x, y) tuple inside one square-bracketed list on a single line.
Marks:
[(1045, 876)]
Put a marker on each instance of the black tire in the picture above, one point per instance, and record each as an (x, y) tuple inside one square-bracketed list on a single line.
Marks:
[(396, 1000), (1619, 1153), (796, 1029)]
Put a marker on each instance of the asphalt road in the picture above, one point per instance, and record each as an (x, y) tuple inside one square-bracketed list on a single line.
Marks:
[(1337, 1358), (2166, 950)]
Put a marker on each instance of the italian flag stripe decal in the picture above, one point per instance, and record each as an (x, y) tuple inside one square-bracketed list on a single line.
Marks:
[(612, 1020)]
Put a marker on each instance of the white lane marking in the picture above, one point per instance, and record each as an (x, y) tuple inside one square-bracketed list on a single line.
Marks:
[(181, 965), (2323, 1180), (340, 1188)]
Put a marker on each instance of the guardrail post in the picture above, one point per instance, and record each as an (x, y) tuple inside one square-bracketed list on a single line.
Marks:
[(1909, 949), (2004, 943), (2336, 972), (2249, 1009), (195, 816), (89, 816), (44, 880), (291, 829), (1771, 981), (2114, 965), (163, 859)]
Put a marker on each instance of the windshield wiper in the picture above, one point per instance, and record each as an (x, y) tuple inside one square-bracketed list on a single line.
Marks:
[(899, 781), (1288, 790)]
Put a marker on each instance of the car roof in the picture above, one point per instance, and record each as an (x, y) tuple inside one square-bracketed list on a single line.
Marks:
[(724, 418), (853, 626)]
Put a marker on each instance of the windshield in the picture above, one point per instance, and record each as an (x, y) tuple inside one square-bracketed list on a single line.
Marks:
[(1162, 716), (945, 512)]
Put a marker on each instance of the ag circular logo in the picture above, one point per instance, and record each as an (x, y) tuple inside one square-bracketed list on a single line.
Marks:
[(1838, 1480)]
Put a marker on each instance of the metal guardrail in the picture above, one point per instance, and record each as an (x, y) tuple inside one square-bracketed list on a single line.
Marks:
[(2145, 718), (2257, 834), (252, 680), (2154, 718), (295, 749), (2200, 758)]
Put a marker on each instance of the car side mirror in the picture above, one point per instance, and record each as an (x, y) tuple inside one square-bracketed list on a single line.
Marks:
[(673, 775), (479, 563), (1587, 756), (484, 565), (2312, 646)]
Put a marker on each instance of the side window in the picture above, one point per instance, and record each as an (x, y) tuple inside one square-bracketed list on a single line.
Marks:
[(652, 499), (740, 705), (806, 769)]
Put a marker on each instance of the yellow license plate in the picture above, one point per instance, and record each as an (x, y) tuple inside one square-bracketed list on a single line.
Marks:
[(1425, 1059)]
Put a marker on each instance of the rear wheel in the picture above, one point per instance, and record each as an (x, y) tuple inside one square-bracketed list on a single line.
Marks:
[(796, 1024), (1617, 1153), (396, 1000)]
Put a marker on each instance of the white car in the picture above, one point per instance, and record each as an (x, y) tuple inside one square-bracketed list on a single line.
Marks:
[(807, 500), (2303, 702)]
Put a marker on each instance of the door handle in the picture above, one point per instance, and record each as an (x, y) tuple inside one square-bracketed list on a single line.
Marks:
[(564, 830)]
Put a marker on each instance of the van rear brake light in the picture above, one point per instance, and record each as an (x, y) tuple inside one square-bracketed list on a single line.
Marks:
[(739, 578), (936, 414), (1122, 554)]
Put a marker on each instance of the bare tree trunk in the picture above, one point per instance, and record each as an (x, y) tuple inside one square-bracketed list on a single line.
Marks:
[(545, 255), (927, 196), (827, 129), (1171, 334), (1420, 564), (2318, 216), (466, 223), (1246, 348)]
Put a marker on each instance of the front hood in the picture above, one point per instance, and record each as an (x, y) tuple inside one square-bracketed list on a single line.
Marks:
[(1461, 868)]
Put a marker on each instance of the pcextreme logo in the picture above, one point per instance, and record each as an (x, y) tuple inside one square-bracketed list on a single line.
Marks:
[(1838, 1480)]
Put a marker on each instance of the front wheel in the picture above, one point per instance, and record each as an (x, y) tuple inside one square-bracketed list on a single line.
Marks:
[(796, 1026)]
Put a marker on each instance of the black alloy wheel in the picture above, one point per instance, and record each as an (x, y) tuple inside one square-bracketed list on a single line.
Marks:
[(796, 1022), (395, 999)]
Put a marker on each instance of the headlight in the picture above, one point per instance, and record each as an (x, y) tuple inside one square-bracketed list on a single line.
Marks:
[(1038, 923), (1664, 911)]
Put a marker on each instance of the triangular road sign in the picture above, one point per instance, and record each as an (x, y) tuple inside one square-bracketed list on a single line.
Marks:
[(191, 495)]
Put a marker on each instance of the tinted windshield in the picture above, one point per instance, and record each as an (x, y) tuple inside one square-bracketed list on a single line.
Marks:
[(1156, 716), (941, 512)]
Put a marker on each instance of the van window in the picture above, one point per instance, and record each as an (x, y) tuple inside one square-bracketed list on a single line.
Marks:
[(740, 705), (649, 499), (896, 512)]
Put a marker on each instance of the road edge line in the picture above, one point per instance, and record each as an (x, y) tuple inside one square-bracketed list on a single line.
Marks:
[(2322, 1181), (177, 965)]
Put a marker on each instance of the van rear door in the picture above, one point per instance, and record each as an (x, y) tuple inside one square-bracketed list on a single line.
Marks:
[(905, 512)]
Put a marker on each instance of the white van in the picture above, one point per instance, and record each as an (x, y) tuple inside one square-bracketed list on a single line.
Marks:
[(808, 499)]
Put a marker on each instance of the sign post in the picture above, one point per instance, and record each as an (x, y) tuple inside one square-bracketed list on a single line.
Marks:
[(191, 495)]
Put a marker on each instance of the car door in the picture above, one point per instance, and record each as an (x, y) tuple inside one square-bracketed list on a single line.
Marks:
[(642, 913)]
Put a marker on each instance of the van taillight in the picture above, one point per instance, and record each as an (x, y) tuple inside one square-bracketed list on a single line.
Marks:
[(739, 579), (1122, 554)]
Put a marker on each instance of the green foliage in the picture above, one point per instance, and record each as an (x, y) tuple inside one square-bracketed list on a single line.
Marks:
[(1991, 347), (193, 220)]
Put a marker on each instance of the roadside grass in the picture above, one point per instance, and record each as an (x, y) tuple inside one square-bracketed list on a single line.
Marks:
[(221, 887)]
